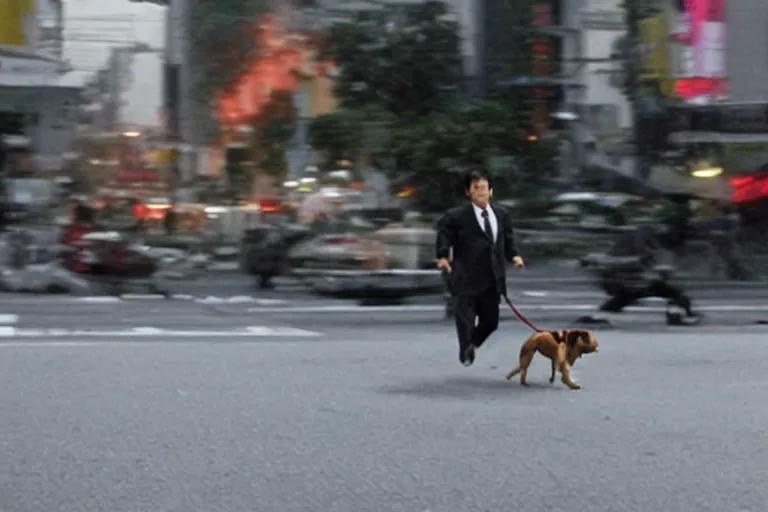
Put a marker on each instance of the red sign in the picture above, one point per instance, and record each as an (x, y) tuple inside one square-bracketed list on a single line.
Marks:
[(749, 188), (689, 88)]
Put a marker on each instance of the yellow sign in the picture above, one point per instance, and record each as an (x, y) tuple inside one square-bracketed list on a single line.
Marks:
[(657, 65), (16, 20)]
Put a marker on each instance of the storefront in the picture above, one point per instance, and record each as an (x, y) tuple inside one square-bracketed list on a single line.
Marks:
[(37, 101), (732, 137)]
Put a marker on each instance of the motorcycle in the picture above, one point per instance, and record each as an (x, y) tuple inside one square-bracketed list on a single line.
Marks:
[(265, 250), (110, 260)]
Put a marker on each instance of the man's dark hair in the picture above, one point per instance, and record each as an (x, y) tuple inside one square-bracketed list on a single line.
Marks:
[(473, 175)]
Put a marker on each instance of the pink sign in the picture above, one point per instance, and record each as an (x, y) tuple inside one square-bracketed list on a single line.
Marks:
[(702, 36)]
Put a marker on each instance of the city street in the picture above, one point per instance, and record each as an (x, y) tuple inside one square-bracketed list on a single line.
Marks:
[(376, 418), (239, 399), (231, 305)]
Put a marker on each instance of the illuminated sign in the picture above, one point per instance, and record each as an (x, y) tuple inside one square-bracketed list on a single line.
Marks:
[(701, 36), (542, 54)]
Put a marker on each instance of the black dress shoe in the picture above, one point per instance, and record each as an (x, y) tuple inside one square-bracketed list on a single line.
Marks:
[(467, 356), (680, 320)]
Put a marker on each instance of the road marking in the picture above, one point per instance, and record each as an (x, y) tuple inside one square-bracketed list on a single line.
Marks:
[(423, 308), (151, 332), (7, 322), (96, 300), (240, 299), (209, 300), (581, 294)]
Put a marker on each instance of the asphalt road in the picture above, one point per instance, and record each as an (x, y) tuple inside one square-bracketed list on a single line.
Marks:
[(27, 316), (382, 419), (548, 276)]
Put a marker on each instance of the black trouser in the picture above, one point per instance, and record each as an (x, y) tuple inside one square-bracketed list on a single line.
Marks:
[(485, 308), (624, 297)]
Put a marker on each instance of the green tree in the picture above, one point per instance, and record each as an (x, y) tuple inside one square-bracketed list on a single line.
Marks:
[(348, 134), (337, 135), (273, 128), (223, 43), (408, 64), (435, 150), (404, 62)]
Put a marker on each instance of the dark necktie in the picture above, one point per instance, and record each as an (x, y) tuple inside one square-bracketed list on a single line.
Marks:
[(487, 226)]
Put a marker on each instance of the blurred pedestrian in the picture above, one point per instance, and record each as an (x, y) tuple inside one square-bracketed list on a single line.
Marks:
[(170, 222), (3, 193), (634, 274), (480, 238), (83, 218)]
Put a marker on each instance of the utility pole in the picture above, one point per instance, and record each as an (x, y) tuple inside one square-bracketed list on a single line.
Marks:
[(633, 14)]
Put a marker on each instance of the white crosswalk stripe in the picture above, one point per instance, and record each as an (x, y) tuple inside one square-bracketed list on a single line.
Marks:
[(152, 332), (9, 329), (210, 299)]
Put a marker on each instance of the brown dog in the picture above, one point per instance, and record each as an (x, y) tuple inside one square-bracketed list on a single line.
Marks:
[(562, 347)]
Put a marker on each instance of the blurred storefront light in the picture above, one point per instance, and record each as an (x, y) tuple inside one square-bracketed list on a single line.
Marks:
[(707, 172)]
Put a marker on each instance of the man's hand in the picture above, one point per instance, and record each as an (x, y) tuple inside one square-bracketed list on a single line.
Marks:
[(518, 262), (444, 264)]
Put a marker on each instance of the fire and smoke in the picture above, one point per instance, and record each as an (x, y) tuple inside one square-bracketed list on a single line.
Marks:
[(282, 57)]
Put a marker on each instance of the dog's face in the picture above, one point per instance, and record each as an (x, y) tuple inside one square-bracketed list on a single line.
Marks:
[(582, 341)]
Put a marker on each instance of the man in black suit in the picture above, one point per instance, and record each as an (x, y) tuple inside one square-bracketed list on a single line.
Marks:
[(482, 239)]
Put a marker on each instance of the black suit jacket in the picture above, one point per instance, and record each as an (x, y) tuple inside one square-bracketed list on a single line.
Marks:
[(473, 251)]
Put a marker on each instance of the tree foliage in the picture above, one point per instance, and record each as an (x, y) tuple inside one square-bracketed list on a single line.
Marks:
[(344, 133), (338, 134), (408, 64), (464, 134), (404, 62), (222, 41), (273, 128)]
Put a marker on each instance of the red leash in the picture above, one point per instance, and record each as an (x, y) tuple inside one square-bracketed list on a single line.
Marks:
[(519, 315)]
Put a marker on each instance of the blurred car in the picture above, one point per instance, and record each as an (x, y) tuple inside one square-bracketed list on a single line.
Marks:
[(340, 251), (595, 210), (28, 199), (346, 257)]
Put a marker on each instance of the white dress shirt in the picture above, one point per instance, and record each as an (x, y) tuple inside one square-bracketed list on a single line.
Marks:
[(491, 217)]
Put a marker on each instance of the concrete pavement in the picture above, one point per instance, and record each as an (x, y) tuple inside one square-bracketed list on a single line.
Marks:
[(384, 420)]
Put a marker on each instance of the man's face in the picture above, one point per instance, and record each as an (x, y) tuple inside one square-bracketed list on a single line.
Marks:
[(479, 192)]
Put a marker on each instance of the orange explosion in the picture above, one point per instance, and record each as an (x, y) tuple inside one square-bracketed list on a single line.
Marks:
[(282, 57)]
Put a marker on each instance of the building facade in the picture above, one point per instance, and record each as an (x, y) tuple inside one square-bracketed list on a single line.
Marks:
[(747, 44), (49, 29), (37, 96), (603, 28)]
